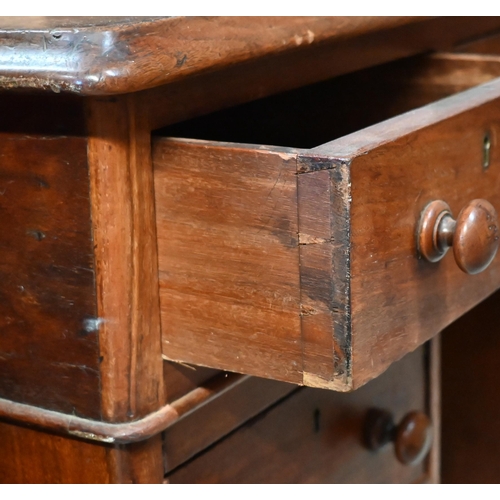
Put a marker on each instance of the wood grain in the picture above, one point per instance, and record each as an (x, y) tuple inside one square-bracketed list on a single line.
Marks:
[(324, 226), (315, 436), (137, 463), (32, 457), (228, 260), (126, 261), (361, 98), (255, 79)]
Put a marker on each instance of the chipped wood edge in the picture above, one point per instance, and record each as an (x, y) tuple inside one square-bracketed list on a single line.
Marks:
[(339, 242)]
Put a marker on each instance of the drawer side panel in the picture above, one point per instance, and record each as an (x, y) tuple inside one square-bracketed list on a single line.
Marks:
[(228, 257)]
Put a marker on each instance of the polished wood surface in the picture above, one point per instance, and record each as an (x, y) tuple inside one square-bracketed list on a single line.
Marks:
[(315, 436), (475, 239), (473, 235), (116, 56), (412, 437), (30, 457)]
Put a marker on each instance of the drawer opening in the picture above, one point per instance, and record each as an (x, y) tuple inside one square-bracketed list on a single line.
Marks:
[(322, 112)]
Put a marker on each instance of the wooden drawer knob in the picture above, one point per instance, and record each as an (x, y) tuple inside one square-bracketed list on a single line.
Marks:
[(412, 437), (473, 235)]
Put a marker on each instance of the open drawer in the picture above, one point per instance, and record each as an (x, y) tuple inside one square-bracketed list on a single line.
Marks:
[(302, 265)]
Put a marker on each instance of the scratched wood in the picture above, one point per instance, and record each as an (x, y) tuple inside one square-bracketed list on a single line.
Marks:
[(126, 263), (110, 55), (398, 300)]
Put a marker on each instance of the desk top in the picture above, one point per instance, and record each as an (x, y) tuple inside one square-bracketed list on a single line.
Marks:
[(113, 55)]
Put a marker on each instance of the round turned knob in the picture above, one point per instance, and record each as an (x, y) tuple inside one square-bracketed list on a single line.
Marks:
[(412, 437), (473, 235)]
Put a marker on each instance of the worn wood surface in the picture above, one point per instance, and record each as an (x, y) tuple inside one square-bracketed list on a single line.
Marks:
[(90, 57), (259, 78), (324, 226), (126, 261), (470, 404), (228, 261), (315, 436), (127, 55), (235, 400), (48, 345)]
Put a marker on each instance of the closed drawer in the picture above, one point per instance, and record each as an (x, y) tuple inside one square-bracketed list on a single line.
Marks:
[(301, 264), (317, 436)]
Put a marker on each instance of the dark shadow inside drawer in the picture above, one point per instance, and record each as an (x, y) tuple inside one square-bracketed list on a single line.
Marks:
[(318, 113)]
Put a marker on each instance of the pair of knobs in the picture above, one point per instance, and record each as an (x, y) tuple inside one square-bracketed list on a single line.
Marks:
[(473, 235)]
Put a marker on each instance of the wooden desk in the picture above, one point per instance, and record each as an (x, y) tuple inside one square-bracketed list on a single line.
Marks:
[(135, 267)]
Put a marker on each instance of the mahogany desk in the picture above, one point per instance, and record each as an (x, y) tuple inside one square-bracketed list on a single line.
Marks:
[(203, 215)]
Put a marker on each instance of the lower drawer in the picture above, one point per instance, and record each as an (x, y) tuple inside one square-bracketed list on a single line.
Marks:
[(317, 436)]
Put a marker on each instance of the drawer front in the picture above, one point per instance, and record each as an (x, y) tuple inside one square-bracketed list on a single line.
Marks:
[(316, 436), (302, 265), (383, 177)]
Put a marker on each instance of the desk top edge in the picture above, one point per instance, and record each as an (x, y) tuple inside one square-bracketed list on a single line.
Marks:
[(103, 56)]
